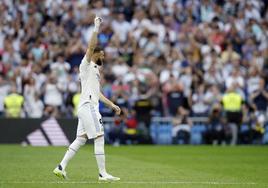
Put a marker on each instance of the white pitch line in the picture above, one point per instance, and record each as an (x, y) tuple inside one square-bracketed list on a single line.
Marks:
[(130, 182)]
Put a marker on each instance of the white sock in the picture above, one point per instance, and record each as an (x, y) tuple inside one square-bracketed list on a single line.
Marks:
[(73, 148), (99, 153)]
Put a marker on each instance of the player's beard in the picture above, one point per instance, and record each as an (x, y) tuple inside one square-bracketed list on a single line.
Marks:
[(99, 62)]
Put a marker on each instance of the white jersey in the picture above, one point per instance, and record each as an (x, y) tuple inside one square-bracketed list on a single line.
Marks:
[(90, 82)]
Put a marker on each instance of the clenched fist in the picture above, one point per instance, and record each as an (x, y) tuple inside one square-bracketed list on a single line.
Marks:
[(97, 22)]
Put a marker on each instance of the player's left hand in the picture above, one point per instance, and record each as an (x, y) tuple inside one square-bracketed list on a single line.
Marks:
[(116, 109)]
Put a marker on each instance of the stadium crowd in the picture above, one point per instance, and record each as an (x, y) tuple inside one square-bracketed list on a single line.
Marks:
[(175, 58)]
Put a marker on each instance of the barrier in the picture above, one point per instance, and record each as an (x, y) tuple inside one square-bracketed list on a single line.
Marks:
[(37, 132), (61, 132)]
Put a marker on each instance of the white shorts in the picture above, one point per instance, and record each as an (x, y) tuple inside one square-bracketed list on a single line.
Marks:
[(89, 121)]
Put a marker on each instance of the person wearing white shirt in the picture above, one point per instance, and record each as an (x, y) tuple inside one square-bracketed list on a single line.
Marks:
[(121, 27), (90, 124), (52, 94), (235, 79)]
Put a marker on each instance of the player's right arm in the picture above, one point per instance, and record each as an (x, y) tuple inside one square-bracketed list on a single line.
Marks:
[(92, 45), (94, 39)]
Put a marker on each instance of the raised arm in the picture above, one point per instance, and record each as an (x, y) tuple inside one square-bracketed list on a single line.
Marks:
[(110, 104), (94, 39)]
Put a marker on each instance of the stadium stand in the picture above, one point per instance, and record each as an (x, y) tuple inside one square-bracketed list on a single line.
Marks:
[(177, 56)]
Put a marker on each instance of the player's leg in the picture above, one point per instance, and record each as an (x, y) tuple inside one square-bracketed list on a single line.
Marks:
[(100, 158), (99, 154), (73, 148), (70, 153), (83, 134)]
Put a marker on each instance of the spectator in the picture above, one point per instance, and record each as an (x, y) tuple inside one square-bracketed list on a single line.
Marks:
[(207, 12), (235, 79), (199, 106), (76, 99), (213, 76), (36, 107), (216, 132), (14, 104), (121, 27), (160, 44), (71, 97), (253, 80), (4, 89), (100, 10), (259, 99), (257, 128), (181, 127), (248, 49), (186, 78), (233, 106), (52, 93), (120, 68), (143, 107), (213, 96), (31, 99), (167, 72), (130, 131), (37, 50), (229, 54), (61, 69), (115, 133), (176, 99)]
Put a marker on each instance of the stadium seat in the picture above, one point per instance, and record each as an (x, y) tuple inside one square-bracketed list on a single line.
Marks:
[(197, 134), (196, 139), (153, 132), (244, 128), (164, 135)]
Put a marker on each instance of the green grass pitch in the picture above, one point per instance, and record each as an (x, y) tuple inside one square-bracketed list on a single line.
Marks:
[(138, 166)]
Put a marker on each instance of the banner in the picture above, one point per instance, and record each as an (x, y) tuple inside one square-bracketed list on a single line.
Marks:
[(38, 132)]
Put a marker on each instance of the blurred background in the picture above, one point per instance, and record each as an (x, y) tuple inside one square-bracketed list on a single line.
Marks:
[(183, 71)]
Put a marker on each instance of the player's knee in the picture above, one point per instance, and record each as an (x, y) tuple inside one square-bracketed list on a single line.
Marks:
[(81, 140), (84, 136), (99, 139)]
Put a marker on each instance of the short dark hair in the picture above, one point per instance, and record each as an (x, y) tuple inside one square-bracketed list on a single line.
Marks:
[(97, 49)]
